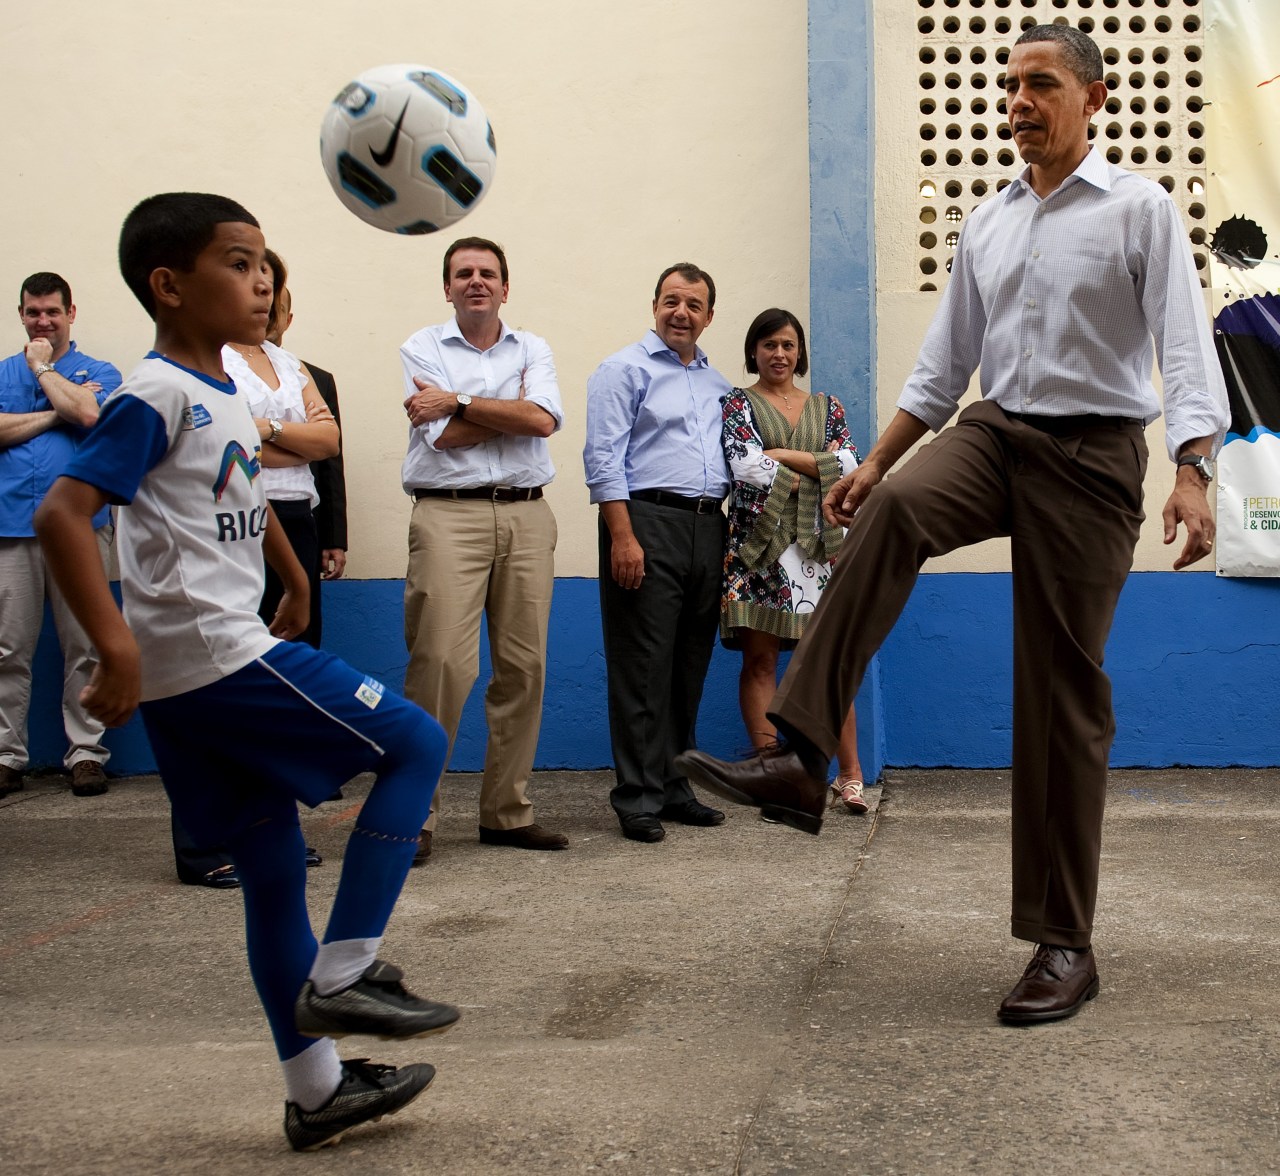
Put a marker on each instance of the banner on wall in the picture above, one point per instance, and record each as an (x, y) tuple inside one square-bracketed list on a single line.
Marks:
[(1242, 57)]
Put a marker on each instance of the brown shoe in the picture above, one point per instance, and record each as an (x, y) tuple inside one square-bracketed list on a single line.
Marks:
[(10, 780), (1056, 984), (774, 780), (424, 849), (526, 837), (88, 778)]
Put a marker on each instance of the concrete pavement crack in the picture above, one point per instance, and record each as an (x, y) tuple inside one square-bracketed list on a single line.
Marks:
[(807, 1002)]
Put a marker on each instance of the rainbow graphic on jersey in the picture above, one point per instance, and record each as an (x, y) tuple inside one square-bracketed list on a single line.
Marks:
[(234, 457)]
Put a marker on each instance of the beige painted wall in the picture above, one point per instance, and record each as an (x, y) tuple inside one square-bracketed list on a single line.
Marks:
[(904, 311), (628, 136)]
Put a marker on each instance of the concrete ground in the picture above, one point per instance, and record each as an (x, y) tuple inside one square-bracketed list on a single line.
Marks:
[(742, 999)]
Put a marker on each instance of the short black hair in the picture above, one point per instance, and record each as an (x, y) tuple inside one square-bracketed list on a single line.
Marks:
[(43, 283), (1080, 52), (169, 231), (690, 273), (769, 322), (476, 243)]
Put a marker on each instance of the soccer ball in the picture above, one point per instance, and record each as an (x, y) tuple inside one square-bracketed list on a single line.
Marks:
[(408, 149)]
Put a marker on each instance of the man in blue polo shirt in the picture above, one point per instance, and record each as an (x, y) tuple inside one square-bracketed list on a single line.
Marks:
[(49, 397)]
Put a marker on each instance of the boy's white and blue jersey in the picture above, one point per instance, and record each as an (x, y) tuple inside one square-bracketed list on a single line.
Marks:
[(182, 452)]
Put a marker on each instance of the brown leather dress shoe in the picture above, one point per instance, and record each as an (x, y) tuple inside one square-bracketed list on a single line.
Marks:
[(10, 780), (1056, 984), (774, 780), (526, 837), (424, 849), (88, 778)]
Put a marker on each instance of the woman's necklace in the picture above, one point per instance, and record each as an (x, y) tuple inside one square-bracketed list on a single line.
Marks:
[(786, 399)]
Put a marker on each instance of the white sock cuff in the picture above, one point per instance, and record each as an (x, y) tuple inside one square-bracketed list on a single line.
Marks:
[(340, 964), (311, 1077)]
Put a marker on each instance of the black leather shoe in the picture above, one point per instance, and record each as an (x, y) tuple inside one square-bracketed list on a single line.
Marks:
[(692, 812), (526, 837), (313, 858), (424, 849), (774, 779), (223, 878), (1056, 984), (641, 827)]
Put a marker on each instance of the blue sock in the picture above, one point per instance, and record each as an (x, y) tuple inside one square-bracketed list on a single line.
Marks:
[(385, 838), (278, 935)]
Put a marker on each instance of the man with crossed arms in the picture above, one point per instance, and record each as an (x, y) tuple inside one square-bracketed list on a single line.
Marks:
[(50, 393), (482, 399)]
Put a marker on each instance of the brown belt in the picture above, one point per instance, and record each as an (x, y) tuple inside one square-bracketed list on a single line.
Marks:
[(1072, 426), (490, 493)]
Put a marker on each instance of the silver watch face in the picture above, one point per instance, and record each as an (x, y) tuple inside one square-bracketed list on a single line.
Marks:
[(463, 398)]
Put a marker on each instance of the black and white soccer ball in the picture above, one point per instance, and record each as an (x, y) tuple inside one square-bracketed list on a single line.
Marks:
[(408, 149)]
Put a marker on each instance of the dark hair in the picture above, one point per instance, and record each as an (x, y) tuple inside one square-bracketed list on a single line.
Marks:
[(690, 273), (476, 243), (169, 231), (1079, 52), (38, 285), (279, 278), (769, 322)]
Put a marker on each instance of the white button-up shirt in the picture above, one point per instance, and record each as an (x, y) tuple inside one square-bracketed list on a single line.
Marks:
[(1057, 301), (517, 360)]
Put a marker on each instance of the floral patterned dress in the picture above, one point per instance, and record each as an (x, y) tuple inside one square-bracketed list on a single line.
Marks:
[(780, 547)]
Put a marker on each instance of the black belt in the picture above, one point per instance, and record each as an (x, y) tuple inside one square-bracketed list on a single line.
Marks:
[(1071, 426), (702, 506), (491, 493)]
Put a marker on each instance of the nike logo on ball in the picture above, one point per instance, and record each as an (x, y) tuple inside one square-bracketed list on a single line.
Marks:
[(384, 157)]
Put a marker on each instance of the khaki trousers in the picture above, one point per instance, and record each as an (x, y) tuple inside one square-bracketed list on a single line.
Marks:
[(1070, 501), (24, 584), (468, 557)]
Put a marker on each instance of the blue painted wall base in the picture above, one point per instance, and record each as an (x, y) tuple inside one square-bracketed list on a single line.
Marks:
[(1193, 659)]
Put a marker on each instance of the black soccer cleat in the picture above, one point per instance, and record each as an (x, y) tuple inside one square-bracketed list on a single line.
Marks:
[(376, 1005), (366, 1093)]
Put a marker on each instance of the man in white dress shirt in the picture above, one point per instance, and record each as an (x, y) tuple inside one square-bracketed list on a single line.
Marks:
[(1058, 286), (482, 400)]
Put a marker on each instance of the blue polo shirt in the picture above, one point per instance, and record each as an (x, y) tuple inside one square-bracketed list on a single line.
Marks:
[(28, 470)]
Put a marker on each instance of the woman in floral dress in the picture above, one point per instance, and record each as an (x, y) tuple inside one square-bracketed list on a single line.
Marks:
[(786, 448)]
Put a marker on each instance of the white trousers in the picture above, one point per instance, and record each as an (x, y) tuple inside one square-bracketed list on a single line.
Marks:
[(25, 582)]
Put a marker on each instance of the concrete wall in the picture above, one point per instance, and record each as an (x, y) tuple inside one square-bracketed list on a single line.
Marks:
[(628, 137)]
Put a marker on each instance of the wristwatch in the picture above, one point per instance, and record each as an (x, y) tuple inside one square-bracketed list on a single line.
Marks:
[(463, 401), (1203, 466), (41, 368), (277, 429)]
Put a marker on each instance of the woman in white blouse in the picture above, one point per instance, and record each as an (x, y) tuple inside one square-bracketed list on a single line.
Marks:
[(296, 428)]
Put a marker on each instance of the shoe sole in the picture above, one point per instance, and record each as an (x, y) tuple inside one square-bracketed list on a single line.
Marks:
[(1056, 1014), (339, 1034), (805, 822), (334, 1140)]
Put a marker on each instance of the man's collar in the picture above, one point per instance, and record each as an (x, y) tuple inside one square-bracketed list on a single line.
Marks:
[(453, 331), (654, 345), (1092, 169)]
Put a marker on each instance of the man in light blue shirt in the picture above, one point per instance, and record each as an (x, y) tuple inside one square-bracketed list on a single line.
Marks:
[(49, 397), (1059, 285), (655, 466)]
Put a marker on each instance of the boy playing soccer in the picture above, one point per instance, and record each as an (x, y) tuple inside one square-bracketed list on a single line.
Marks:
[(244, 724)]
